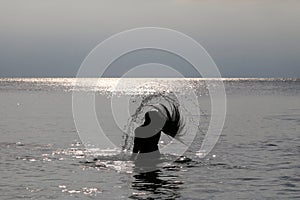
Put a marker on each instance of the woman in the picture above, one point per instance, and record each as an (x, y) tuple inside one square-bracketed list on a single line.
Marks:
[(145, 149)]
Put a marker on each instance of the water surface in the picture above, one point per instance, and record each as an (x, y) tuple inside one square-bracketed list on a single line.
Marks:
[(257, 156)]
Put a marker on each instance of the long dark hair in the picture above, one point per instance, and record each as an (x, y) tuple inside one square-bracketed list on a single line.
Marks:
[(174, 122)]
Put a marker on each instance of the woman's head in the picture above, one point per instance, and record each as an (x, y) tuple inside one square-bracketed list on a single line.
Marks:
[(156, 119), (173, 122)]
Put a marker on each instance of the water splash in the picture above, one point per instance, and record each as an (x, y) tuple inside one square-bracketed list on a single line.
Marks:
[(147, 103)]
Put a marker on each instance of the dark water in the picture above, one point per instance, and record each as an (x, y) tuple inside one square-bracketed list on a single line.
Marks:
[(256, 157)]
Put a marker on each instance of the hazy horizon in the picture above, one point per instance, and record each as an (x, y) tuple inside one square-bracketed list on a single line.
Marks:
[(247, 38)]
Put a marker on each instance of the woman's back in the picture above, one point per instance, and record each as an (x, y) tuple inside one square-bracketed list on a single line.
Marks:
[(147, 136), (144, 144), (145, 150)]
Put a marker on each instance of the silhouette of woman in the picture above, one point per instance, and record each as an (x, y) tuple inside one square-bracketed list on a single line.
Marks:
[(145, 148)]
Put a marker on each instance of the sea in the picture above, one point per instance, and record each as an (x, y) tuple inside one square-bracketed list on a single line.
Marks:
[(44, 155)]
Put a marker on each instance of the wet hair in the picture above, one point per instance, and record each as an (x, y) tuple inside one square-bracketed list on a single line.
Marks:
[(174, 122)]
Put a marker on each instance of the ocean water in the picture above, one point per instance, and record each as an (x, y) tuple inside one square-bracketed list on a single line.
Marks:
[(257, 155)]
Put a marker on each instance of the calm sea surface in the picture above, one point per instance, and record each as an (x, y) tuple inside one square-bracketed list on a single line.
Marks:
[(256, 157)]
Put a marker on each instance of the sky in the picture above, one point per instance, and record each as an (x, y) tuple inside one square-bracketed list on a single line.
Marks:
[(245, 38)]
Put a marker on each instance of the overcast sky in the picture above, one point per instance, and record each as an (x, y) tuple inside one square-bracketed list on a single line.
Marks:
[(246, 38)]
